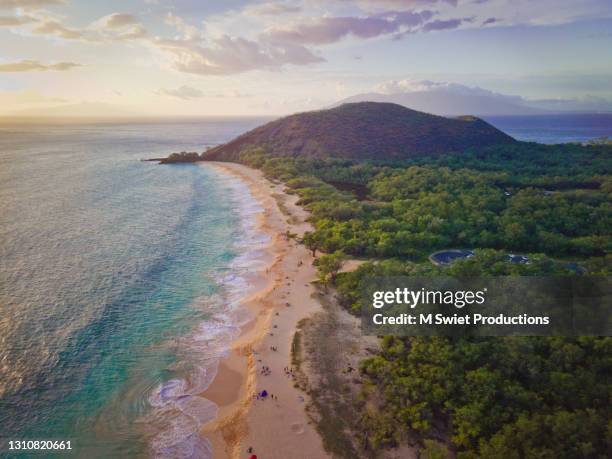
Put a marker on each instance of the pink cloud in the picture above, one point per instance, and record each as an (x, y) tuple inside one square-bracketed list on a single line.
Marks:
[(328, 30), (229, 55)]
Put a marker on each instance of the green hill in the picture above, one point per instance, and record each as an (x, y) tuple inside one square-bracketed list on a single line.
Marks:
[(365, 130)]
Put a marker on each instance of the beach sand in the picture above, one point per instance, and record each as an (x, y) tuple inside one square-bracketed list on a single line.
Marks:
[(278, 427)]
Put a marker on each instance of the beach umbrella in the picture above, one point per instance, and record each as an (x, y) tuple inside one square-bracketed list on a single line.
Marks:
[(264, 393)]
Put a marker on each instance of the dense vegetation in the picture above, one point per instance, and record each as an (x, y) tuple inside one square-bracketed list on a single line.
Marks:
[(488, 397), (496, 397), (365, 130), (497, 203), (473, 398)]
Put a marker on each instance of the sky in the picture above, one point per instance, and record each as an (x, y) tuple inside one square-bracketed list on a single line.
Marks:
[(235, 57)]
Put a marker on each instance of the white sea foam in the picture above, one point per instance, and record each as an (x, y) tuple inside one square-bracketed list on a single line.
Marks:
[(177, 407)]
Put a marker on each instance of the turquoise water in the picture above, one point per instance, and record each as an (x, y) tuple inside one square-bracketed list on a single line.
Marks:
[(119, 281)]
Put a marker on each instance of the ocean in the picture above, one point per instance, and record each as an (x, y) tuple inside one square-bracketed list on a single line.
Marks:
[(551, 129), (119, 282), (120, 279)]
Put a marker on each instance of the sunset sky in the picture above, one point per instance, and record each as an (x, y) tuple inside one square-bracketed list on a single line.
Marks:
[(232, 57)]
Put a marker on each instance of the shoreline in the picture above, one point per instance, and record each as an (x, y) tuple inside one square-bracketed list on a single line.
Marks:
[(279, 427)]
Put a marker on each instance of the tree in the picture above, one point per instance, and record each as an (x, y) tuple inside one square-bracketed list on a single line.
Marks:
[(434, 450), (312, 240), (329, 265)]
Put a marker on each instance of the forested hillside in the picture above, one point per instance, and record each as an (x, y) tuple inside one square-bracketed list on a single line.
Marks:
[(366, 130)]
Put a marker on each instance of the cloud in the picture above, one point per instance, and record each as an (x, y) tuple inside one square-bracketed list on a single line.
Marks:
[(29, 4), (44, 24), (328, 30), (490, 21), (270, 9), (35, 66), (234, 94), (196, 53), (212, 52), (189, 93), (113, 27), (117, 21), (398, 4), (226, 55), (10, 21), (135, 32), (183, 92), (52, 27), (407, 85), (410, 86), (442, 25), (26, 98), (189, 32)]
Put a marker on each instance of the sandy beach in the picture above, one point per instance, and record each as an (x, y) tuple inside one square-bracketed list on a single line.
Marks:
[(278, 425)]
